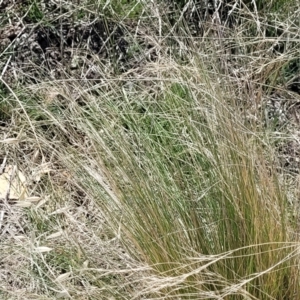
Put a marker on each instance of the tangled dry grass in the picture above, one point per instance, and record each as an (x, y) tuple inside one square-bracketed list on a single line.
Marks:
[(149, 150)]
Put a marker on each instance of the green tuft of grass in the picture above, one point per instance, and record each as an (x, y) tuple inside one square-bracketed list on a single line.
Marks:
[(195, 191)]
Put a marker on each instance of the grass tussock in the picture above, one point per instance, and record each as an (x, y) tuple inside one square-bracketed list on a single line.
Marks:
[(162, 178), (194, 192)]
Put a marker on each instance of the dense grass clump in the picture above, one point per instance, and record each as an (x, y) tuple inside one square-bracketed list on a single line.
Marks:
[(195, 192)]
